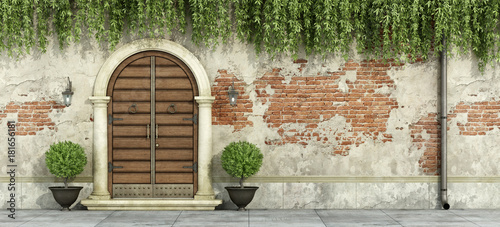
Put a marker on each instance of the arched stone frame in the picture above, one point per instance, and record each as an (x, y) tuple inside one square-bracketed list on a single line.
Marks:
[(100, 100)]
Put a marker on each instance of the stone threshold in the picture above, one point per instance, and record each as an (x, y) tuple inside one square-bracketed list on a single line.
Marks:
[(151, 204)]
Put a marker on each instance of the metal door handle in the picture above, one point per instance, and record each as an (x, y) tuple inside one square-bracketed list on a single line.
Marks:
[(147, 132), (156, 131)]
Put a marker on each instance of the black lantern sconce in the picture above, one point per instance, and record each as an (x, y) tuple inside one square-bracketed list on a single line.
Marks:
[(67, 94), (233, 95)]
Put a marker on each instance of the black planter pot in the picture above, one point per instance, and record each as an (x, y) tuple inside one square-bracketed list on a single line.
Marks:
[(65, 196), (241, 196)]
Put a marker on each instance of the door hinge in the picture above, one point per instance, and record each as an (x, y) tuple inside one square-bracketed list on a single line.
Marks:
[(111, 167), (194, 167), (194, 119), (111, 119)]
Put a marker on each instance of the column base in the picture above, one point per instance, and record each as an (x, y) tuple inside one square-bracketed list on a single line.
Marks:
[(150, 204), (99, 197), (204, 197)]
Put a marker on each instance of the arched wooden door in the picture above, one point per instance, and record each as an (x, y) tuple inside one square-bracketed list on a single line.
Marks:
[(152, 128)]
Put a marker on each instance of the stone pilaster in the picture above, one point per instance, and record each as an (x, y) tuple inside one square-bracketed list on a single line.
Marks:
[(100, 153), (205, 190)]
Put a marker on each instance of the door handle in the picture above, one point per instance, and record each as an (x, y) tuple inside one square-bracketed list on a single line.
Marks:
[(147, 132), (156, 131)]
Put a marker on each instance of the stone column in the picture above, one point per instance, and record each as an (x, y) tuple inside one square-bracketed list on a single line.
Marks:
[(100, 153), (205, 190)]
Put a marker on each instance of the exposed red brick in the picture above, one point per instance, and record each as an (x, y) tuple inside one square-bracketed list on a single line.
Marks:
[(32, 117), (482, 117)]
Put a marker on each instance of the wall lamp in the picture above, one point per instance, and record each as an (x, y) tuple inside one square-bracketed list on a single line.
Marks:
[(233, 95), (67, 94)]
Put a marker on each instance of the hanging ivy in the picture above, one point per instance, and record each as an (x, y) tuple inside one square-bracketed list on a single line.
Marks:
[(399, 29)]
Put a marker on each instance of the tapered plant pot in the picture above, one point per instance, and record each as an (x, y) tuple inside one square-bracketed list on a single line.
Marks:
[(241, 197), (65, 196)]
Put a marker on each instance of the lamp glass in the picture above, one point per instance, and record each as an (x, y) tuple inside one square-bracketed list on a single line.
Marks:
[(67, 95), (233, 96)]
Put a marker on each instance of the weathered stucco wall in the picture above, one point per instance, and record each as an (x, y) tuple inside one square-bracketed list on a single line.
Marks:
[(334, 133)]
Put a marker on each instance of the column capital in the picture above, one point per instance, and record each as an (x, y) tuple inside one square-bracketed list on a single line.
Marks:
[(204, 101), (100, 100)]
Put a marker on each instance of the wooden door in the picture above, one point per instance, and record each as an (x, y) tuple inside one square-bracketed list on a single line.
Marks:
[(152, 128)]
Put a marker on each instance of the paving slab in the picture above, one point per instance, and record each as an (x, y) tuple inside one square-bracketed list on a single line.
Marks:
[(427, 218), (480, 217), (75, 218), (356, 218), (140, 218), (277, 218), (21, 217), (212, 218)]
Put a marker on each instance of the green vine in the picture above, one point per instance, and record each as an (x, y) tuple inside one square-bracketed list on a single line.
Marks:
[(389, 29)]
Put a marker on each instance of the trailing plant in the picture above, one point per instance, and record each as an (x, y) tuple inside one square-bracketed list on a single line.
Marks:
[(400, 29), (65, 159), (241, 160)]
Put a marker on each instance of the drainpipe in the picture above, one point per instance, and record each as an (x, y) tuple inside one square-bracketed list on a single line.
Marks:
[(444, 128)]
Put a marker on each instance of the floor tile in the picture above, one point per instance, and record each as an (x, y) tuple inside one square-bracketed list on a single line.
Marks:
[(427, 218), (356, 218), (212, 218), (74, 218), (284, 218), (140, 218)]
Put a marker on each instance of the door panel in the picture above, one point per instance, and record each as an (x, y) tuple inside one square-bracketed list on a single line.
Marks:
[(173, 83), (175, 107), (174, 154), (174, 119), (169, 142), (121, 142), (133, 83), (131, 178), (174, 95), (132, 166), (174, 178), (132, 154), (173, 166), (132, 119), (168, 131), (131, 95), (127, 107), (169, 71), (132, 131)]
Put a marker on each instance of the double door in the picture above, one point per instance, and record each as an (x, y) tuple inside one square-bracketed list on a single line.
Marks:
[(152, 128)]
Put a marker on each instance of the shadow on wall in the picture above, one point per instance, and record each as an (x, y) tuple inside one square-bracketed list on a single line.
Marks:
[(46, 200)]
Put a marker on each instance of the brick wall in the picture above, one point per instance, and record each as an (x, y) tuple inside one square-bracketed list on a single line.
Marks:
[(32, 117), (426, 135), (222, 112), (482, 117), (310, 100)]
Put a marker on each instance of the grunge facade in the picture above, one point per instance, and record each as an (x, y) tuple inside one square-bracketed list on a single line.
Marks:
[(357, 131)]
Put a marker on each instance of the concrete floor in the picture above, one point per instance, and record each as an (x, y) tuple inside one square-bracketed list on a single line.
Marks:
[(272, 218)]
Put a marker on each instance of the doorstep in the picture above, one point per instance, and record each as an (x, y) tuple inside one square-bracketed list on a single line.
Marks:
[(151, 204)]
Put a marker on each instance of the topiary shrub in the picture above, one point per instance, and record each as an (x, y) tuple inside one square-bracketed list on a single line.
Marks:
[(65, 159), (241, 159)]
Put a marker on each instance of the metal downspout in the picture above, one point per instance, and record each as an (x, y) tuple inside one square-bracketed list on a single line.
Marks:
[(444, 128)]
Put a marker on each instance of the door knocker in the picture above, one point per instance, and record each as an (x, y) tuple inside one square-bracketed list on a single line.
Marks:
[(171, 110), (132, 109)]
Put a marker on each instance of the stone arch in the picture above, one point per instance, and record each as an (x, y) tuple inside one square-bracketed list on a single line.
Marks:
[(162, 45), (100, 198)]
